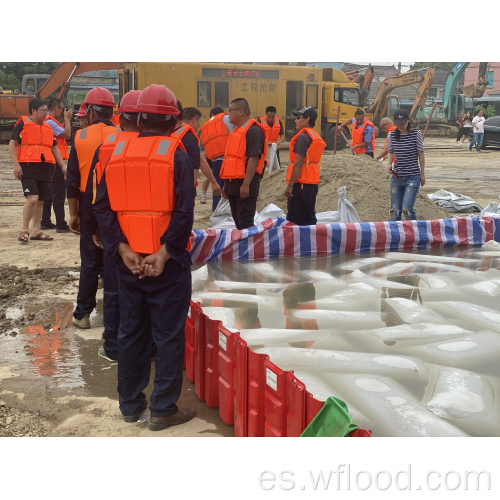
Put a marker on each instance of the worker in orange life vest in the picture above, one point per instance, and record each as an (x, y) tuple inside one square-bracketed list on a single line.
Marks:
[(214, 136), (306, 148), (61, 133), (386, 126), (243, 163), (274, 129), (99, 109), (145, 199), (34, 152), (363, 134), (187, 132), (82, 117), (111, 314)]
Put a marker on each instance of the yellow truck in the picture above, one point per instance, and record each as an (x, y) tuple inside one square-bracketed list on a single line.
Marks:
[(288, 88)]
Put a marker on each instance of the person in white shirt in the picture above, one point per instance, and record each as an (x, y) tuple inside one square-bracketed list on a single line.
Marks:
[(478, 124)]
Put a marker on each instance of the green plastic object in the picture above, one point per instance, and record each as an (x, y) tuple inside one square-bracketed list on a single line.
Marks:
[(333, 420)]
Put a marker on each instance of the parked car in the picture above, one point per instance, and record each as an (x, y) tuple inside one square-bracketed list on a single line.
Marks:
[(491, 132)]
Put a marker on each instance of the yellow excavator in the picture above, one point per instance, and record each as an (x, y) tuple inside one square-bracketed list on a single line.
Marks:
[(380, 105)]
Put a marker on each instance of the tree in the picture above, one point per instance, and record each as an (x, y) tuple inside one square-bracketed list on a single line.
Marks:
[(488, 111), (11, 73), (438, 66)]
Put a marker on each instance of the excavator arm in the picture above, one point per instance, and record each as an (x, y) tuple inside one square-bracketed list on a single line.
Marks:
[(363, 77), (477, 89), (65, 71), (379, 104), (422, 93)]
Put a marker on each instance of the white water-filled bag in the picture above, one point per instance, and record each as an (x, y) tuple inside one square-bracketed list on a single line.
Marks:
[(417, 257), (232, 299), (239, 285), (362, 263), (322, 391), (348, 320), (392, 409), (466, 399), (378, 282), (482, 316), (224, 314), (445, 267), (409, 311), (315, 276), (276, 337), (350, 297), (322, 361), (489, 287), (435, 282), (468, 352), (396, 269)]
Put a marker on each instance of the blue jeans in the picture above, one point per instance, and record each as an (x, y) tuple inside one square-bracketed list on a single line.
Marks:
[(403, 195), (478, 140)]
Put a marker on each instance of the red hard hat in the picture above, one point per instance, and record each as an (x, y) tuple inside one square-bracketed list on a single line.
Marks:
[(81, 111), (128, 104), (100, 97), (157, 99)]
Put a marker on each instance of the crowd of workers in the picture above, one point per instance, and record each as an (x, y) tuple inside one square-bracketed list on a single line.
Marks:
[(131, 192)]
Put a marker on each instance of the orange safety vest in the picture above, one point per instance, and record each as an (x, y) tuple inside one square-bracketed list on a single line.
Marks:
[(235, 156), (36, 140), (309, 173), (181, 132), (388, 132), (86, 142), (105, 152), (214, 136), (61, 142), (141, 189), (357, 136), (272, 133)]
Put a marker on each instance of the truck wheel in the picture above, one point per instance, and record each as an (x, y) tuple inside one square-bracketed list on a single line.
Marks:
[(330, 139)]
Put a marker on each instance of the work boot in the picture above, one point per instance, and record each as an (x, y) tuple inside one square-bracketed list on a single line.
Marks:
[(130, 419), (182, 416), (103, 355), (83, 323)]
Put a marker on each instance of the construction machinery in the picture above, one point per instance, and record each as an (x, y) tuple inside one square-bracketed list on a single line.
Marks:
[(363, 77), (13, 105), (476, 90), (382, 103), (287, 87)]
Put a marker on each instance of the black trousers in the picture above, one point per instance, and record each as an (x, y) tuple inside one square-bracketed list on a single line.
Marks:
[(242, 211), (57, 200), (301, 206)]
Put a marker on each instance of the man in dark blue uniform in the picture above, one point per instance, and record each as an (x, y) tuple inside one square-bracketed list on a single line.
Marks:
[(153, 267)]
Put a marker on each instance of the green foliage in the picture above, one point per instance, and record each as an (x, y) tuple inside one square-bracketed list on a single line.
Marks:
[(438, 66), (11, 73), (488, 111)]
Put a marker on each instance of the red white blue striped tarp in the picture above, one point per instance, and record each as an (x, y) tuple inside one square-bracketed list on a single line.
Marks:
[(279, 238)]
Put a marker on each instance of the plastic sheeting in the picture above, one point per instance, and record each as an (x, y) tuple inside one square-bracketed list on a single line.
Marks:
[(452, 202)]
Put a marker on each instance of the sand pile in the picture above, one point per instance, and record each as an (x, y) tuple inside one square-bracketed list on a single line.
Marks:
[(367, 188)]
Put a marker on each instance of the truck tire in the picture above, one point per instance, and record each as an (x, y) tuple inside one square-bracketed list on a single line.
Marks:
[(330, 139)]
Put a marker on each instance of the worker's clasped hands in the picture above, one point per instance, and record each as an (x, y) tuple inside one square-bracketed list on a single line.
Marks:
[(151, 265)]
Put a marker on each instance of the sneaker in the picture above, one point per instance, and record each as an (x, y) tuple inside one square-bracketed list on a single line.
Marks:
[(63, 229), (203, 198), (183, 415), (460, 144), (470, 146), (83, 323), (103, 355), (130, 419), (47, 225)]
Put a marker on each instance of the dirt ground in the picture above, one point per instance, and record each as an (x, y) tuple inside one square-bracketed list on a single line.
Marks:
[(52, 383)]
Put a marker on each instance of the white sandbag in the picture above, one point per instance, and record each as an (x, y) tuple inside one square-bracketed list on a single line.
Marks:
[(346, 211), (272, 158), (269, 212)]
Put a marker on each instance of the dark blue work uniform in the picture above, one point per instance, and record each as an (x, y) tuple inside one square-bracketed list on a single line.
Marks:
[(153, 305), (91, 256)]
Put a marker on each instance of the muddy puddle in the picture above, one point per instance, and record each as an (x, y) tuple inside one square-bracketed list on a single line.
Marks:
[(410, 341)]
